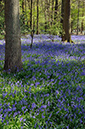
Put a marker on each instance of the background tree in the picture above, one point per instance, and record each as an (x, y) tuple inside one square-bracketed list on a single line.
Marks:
[(37, 16), (50, 17), (31, 24), (62, 17), (78, 17), (82, 20), (12, 38), (31, 15), (56, 9)]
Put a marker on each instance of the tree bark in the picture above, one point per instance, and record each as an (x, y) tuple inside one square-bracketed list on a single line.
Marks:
[(82, 23), (56, 9), (62, 17), (31, 16), (78, 17), (52, 13), (45, 14), (37, 17), (12, 37), (66, 22)]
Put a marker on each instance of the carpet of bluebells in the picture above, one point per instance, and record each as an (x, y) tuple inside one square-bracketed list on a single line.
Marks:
[(49, 92)]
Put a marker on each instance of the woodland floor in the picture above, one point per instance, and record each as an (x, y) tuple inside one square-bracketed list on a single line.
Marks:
[(49, 92)]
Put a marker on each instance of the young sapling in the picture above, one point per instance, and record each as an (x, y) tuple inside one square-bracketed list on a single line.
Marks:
[(32, 36)]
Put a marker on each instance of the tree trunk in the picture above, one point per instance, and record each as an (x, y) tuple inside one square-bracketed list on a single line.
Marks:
[(66, 22), (82, 23), (78, 18), (62, 12), (12, 38), (56, 9), (31, 24), (37, 17), (62, 17), (29, 7), (45, 14), (34, 8), (52, 13), (46, 21), (31, 16)]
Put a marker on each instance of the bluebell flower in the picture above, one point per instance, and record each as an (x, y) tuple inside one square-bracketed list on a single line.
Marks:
[(43, 116), (21, 119), (33, 105)]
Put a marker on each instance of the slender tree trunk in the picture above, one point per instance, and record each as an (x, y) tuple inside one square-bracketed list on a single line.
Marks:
[(31, 16), (29, 6), (62, 17), (46, 21), (52, 17), (37, 17), (34, 15), (49, 16), (71, 27), (82, 24), (56, 9), (67, 22), (78, 18), (12, 38), (31, 24)]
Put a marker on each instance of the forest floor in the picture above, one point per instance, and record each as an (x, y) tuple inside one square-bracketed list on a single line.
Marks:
[(49, 92)]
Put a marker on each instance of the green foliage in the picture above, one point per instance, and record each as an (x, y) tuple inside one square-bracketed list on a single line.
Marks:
[(55, 28), (2, 20), (74, 14)]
